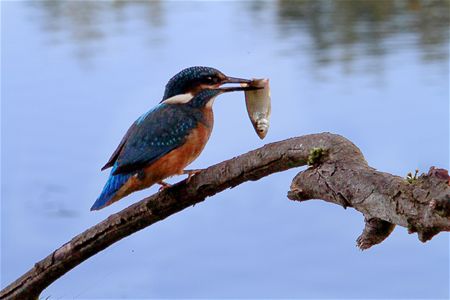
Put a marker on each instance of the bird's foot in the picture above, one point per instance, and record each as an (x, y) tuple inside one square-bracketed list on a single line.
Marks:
[(164, 185), (191, 173)]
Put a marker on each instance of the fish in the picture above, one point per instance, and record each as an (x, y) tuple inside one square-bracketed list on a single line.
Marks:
[(258, 106)]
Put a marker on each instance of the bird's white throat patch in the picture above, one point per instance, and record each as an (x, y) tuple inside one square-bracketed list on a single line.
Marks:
[(210, 103), (179, 99)]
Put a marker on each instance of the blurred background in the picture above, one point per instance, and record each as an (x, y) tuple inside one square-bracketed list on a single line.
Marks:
[(76, 74)]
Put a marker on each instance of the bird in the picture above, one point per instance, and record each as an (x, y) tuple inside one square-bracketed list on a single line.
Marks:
[(168, 137)]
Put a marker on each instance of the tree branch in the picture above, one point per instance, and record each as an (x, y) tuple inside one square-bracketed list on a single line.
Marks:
[(338, 173)]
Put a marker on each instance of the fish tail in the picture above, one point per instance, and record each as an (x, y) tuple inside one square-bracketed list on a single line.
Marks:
[(112, 186)]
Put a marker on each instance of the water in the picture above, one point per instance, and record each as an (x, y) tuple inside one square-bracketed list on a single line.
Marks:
[(75, 75)]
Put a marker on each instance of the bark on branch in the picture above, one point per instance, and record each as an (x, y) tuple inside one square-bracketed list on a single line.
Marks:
[(338, 173)]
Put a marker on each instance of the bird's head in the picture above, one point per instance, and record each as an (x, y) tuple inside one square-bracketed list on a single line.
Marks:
[(193, 80)]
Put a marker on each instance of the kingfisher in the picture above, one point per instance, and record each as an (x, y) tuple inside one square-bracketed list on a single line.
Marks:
[(167, 138)]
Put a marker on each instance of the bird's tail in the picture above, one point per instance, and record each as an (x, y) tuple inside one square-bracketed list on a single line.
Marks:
[(112, 186)]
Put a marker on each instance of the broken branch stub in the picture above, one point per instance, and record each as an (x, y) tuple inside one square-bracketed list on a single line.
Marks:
[(343, 177)]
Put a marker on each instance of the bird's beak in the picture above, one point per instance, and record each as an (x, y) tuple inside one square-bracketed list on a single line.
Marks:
[(236, 80), (239, 88), (245, 85)]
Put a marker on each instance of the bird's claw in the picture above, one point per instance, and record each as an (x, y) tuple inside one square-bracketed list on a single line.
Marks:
[(191, 173), (164, 185)]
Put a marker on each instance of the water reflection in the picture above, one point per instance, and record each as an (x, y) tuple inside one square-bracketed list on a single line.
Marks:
[(339, 31), (345, 30), (53, 200), (90, 23)]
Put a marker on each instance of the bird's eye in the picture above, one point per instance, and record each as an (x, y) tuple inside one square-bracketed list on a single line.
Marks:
[(214, 79)]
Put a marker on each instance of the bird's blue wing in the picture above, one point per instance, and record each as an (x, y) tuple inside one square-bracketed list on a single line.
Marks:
[(130, 132), (113, 158), (134, 128), (153, 135)]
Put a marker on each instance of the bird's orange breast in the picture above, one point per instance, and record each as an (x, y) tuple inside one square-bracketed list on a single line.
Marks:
[(175, 161)]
